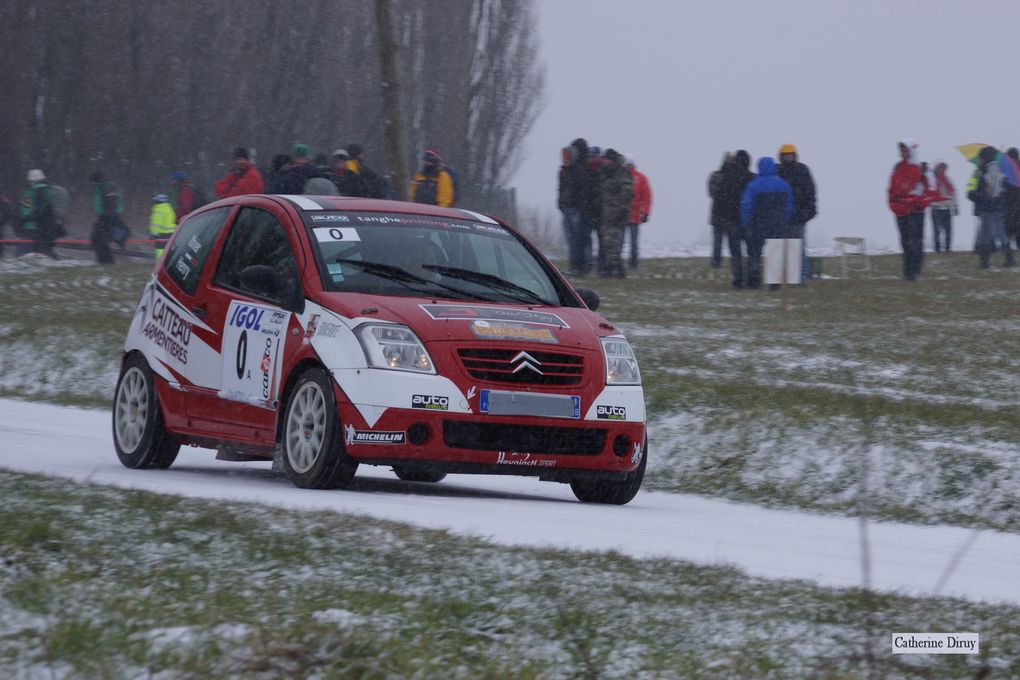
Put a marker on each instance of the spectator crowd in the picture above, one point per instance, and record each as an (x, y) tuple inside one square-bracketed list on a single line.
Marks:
[(38, 219)]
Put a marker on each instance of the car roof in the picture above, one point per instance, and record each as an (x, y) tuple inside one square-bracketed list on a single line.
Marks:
[(314, 203)]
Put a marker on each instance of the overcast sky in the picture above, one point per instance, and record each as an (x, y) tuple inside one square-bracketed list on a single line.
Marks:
[(675, 84)]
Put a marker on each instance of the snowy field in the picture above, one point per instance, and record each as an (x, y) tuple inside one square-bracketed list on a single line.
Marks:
[(863, 396)]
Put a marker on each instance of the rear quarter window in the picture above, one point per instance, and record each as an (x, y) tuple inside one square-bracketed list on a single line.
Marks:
[(191, 247)]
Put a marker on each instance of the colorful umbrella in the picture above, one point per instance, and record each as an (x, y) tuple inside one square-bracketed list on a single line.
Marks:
[(971, 151), (1009, 167)]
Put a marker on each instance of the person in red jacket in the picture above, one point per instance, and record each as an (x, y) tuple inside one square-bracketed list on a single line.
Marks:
[(242, 179), (640, 208), (908, 198)]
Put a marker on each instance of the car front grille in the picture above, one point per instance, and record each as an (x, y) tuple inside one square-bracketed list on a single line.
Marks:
[(561, 441), (512, 366)]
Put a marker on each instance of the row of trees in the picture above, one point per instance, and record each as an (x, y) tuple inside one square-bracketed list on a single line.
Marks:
[(138, 89)]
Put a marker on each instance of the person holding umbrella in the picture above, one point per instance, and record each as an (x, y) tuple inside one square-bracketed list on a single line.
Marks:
[(987, 189)]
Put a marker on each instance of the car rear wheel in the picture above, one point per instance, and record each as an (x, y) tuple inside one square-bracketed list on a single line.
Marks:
[(411, 475), (139, 437), (313, 453), (612, 492)]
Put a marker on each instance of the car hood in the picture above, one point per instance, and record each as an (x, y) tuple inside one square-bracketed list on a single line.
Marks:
[(469, 321)]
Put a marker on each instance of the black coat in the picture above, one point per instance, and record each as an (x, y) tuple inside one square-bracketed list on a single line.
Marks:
[(798, 176), (735, 178)]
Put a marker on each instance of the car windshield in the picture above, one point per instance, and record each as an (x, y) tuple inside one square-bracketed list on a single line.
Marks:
[(428, 256)]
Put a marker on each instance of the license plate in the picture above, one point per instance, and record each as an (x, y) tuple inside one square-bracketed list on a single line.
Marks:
[(498, 403)]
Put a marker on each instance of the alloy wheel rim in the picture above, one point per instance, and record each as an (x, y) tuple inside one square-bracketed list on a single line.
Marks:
[(306, 428), (132, 409)]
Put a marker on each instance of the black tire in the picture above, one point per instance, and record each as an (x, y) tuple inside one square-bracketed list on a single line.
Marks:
[(418, 475), (313, 452), (611, 492), (139, 436)]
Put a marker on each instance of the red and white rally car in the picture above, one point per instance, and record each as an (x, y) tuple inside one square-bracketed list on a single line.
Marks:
[(339, 331)]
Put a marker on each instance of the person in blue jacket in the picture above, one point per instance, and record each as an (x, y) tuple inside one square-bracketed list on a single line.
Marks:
[(766, 211)]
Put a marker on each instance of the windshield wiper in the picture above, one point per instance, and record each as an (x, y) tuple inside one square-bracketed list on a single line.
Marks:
[(488, 280), (404, 277)]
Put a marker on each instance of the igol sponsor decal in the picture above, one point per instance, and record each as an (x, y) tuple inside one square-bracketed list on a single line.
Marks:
[(373, 437), (471, 312), (430, 402), (611, 412), (502, 330)]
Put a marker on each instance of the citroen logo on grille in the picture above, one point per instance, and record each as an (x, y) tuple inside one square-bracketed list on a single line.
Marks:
[(524, 360)]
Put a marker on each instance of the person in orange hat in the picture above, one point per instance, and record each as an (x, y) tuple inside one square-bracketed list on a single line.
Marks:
[(798, 176)]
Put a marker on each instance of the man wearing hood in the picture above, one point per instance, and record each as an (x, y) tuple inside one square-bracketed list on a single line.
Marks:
[(766, 208), (726, 209), (907, 200), (617, 195)]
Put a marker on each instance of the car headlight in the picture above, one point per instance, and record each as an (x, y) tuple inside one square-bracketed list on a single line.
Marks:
[(621, 365), (394, 346)]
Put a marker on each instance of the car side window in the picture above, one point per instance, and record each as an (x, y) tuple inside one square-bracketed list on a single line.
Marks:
[(257, 238), (191, 247)]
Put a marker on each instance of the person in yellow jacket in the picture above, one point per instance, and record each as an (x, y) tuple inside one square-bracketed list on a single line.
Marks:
[(432, 184), (162, 222)]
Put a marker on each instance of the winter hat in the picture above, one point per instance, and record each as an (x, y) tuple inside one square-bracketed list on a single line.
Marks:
[(178, 176), (912, 146), (299, 151), (432, 155), (160, 198), (594, 151), (612, 155), (355, 150), (988, 154), (241, 152), (742, 158), (341, 154), (1013, 153), (36, 175), (787, 148)]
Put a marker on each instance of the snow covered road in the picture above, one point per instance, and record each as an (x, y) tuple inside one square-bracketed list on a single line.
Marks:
[(76, 443)]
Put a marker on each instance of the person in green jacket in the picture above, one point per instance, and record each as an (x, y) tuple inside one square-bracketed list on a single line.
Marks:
[(162, 222), (106, 196), (37, 220)]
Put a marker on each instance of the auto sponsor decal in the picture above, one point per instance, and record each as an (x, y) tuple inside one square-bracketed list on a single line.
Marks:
[(372, 437), (252, 341), (486, 313), (522, 459), (507, 330), (604, 412), (430, 402), (335, 234)]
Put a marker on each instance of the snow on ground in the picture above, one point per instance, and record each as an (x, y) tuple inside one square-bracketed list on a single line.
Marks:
[(76, 443)]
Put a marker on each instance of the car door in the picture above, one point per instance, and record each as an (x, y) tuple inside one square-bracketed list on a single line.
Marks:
[(253, 325)]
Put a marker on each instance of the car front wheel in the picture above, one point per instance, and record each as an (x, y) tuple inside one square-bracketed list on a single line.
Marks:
[(139, 437), (313, 453), (612, 492)]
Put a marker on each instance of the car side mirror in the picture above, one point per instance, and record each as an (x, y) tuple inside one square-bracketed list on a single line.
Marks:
[(589, 297), (263, 280)]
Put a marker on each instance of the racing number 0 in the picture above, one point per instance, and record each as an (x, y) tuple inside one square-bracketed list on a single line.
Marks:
[(242, 354)]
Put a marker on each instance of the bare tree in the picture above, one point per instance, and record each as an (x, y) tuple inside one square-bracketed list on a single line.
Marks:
[(137, 90)]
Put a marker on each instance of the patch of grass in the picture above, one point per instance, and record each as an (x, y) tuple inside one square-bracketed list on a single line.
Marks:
[(145, 584)]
